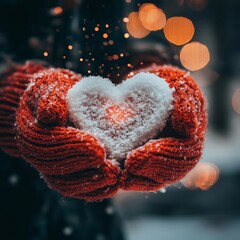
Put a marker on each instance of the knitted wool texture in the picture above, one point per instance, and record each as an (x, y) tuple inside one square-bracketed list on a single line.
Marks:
[(74, 162), (13, 83)]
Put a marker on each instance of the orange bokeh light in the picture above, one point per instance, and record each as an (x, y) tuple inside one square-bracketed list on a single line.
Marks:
[(115, 57), (56, 11), (203, 176), (70, 47), (179, 30), (236, 101), (105, 35), (151, 17), (194, 56), (135, 27)]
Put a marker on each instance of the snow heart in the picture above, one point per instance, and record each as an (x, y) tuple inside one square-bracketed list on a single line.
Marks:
[(73, 129), (122, 117)]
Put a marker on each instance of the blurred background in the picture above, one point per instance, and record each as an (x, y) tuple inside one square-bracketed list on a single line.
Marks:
[(112, 38)]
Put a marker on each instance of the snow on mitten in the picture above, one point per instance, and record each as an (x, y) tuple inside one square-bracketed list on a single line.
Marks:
[(89, 138), (70, 160), (169, 158)]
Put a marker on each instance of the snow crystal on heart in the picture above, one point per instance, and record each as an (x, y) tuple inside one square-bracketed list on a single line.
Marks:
[(122, 117)]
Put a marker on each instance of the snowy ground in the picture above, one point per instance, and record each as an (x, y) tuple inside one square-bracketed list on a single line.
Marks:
[(224, 151), (183, 228)]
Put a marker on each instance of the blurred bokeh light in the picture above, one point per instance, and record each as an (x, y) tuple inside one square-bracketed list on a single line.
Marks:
[(135, 27), (194, 56), (236, 101), (56, 11), (151, 17), (203, 176), (179, 30)]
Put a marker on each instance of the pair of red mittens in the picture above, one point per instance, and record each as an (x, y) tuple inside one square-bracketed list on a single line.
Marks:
[(35, 123)]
